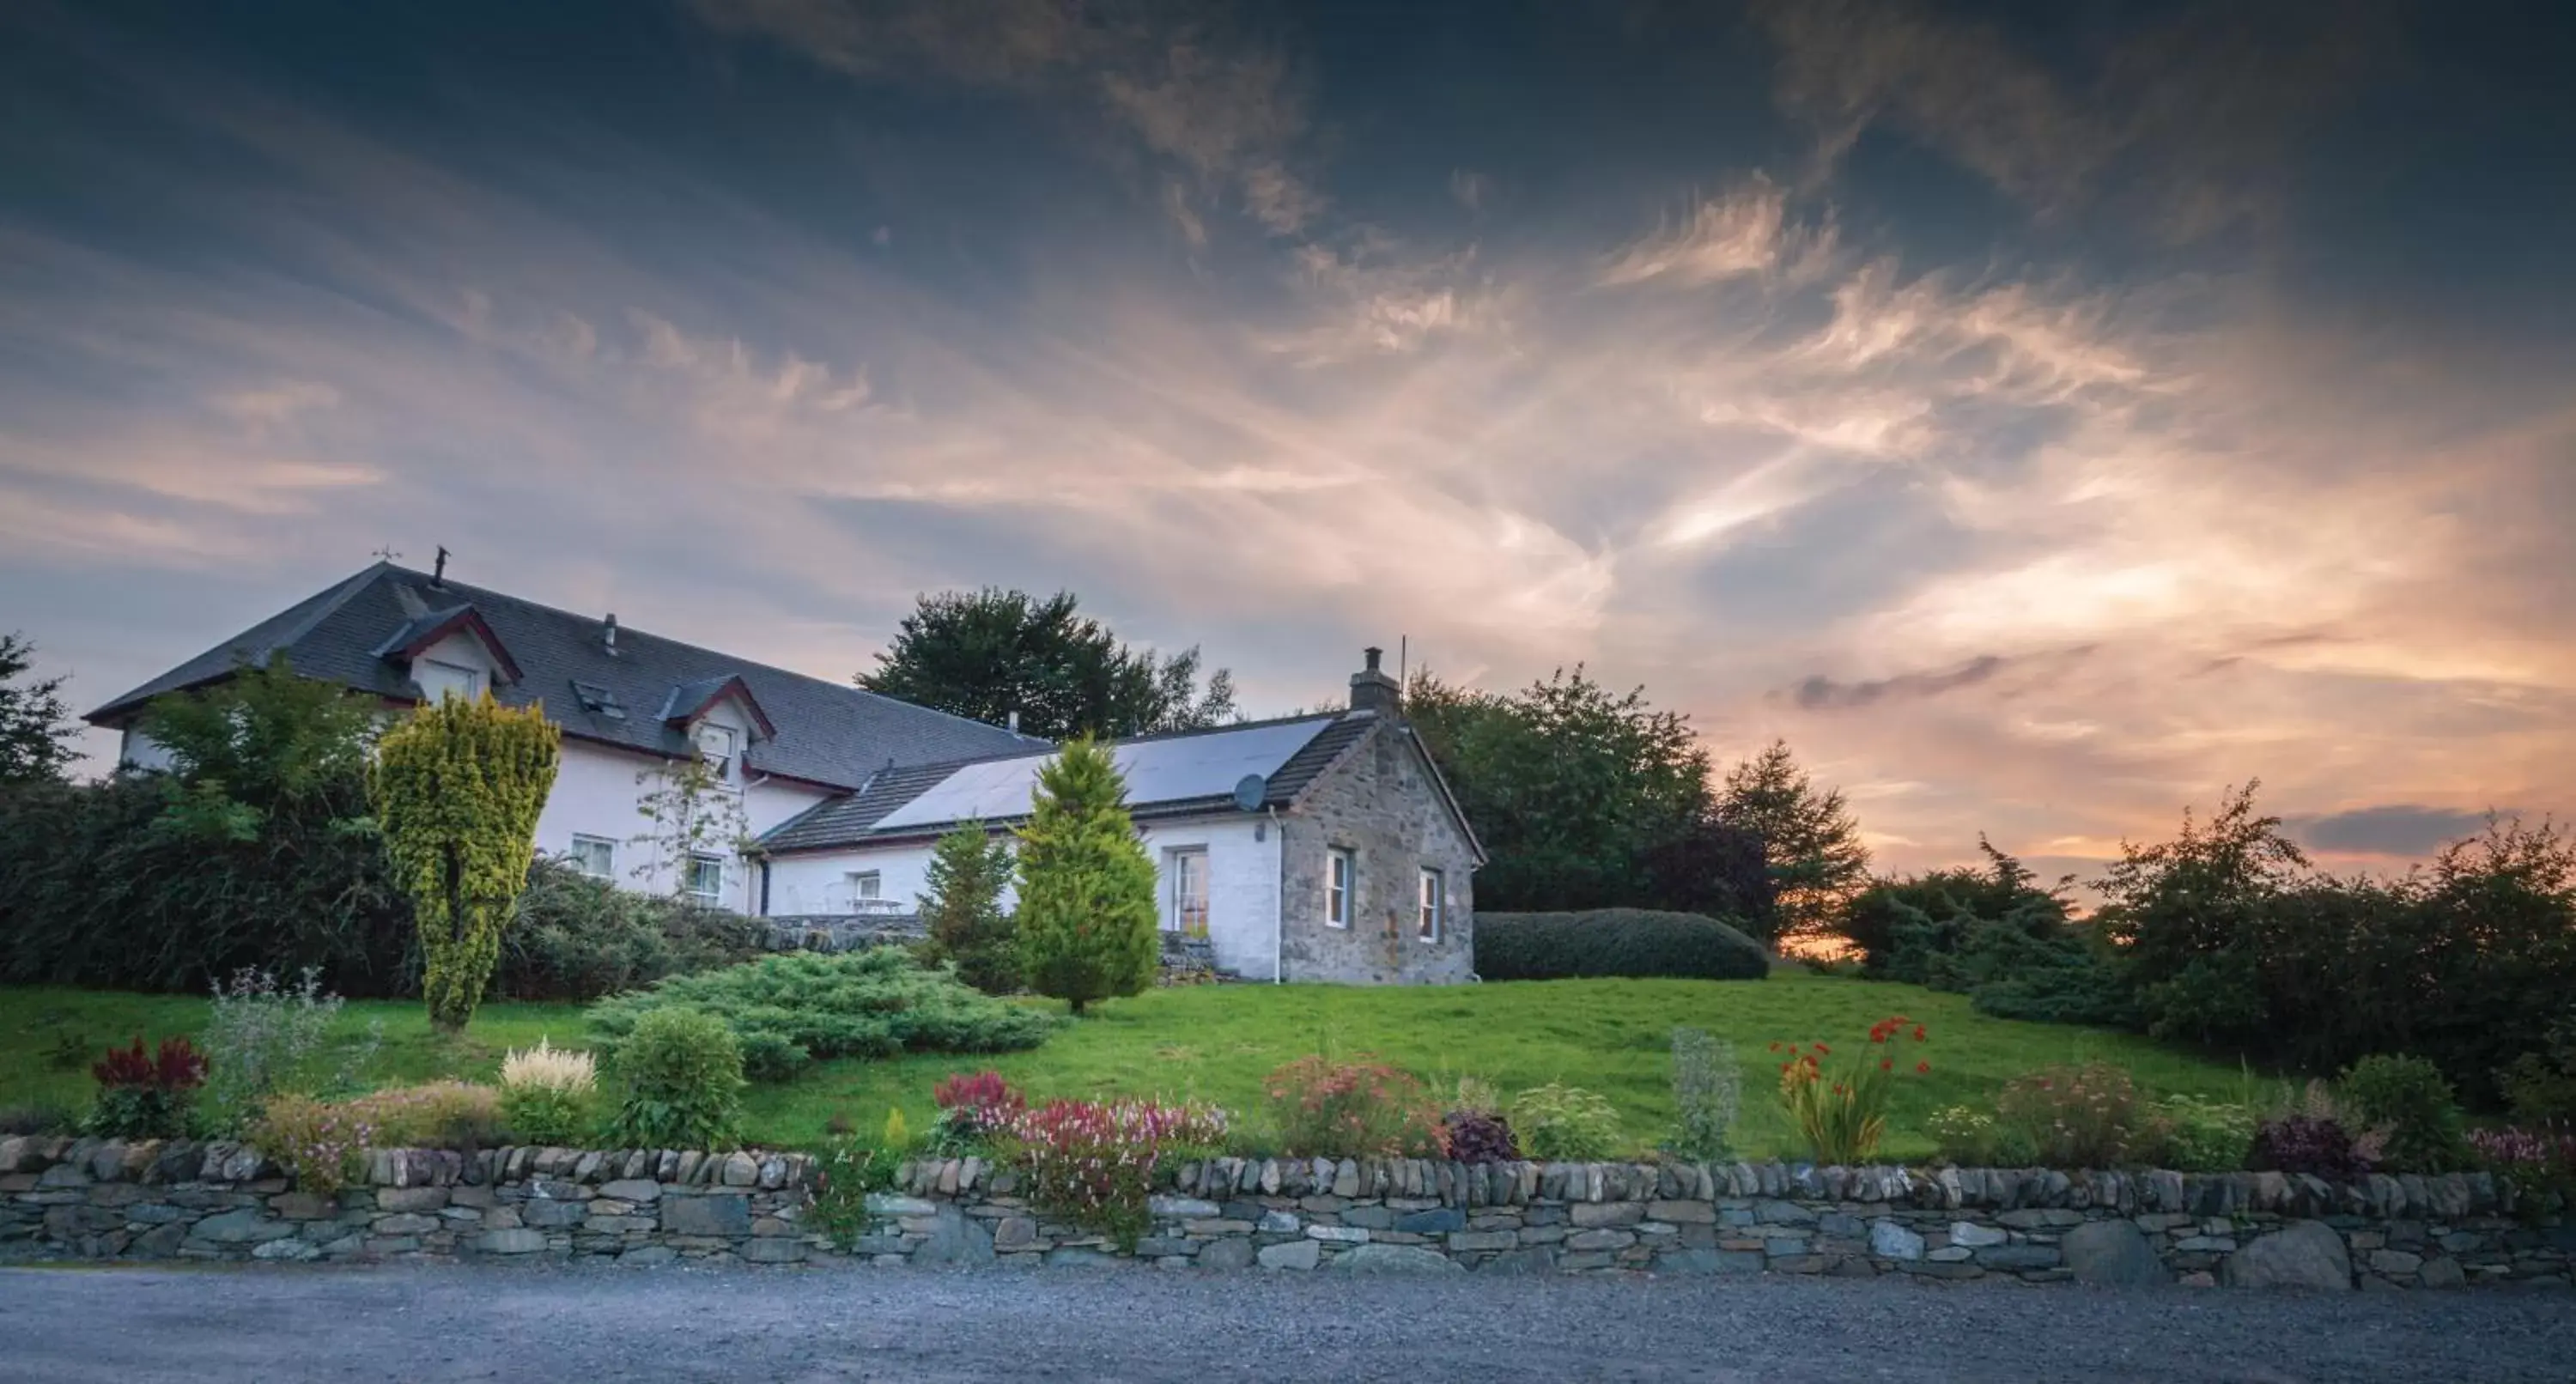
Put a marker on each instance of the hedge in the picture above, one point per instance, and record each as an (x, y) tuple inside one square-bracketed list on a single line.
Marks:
[(1614, 942)]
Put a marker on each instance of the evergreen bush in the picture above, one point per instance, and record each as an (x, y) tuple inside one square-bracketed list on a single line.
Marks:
[(963, 912), (1087, 918), (681, 1070), (1614, 942), (791, 1009)]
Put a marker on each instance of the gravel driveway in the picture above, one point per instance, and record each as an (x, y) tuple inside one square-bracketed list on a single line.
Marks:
[(562, 1325)]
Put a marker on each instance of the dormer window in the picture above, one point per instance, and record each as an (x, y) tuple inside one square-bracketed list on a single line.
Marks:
[(599, 701), (439, 681), (716, 750)]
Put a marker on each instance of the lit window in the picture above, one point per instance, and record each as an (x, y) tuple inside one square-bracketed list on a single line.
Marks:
[(715, 747), (1339, 871), (1189, 876), (706, 879), (1428, 928), (595, 856), (439, 681)]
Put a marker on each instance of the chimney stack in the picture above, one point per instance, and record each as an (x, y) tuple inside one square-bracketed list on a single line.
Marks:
[(1373, 690), (608, 634), (1013, 720)]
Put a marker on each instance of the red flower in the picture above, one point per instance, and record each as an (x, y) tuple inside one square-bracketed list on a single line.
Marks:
[(1918, 1033), (1823, 1049), (1922, 1068), (1887, 1064)]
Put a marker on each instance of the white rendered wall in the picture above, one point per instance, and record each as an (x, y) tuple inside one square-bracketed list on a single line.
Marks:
[(1243, 882)]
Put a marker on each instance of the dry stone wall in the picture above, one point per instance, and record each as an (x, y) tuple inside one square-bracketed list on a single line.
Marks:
[(87, 1198)]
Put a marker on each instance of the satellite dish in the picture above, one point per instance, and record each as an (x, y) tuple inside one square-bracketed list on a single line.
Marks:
[(1249, 791)]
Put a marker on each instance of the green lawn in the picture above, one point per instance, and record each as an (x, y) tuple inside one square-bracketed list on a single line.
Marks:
[(1216, 1043)]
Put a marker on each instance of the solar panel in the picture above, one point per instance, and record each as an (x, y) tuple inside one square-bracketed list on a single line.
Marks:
[(1157, 771)]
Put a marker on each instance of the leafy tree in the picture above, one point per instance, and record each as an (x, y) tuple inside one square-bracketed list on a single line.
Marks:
[(963, 911), (255, 848), (1587, 799), (260, 743), (1808, 836), (36, 728), (1911, 929), (988, 653), (2191, 914), (1087, 925), (458, 787)]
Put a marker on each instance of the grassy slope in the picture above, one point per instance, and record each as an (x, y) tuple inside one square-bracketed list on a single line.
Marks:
[(1217, 1043)]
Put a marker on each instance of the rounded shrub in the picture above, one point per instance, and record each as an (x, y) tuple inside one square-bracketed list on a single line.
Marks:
[(2407, 1098), (1614, 942), (682, 1072), (1557, 1123)]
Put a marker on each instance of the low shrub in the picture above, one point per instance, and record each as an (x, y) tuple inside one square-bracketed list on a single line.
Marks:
[(1967, 1137), (2407, 1100), (1614, 942), (2540, 1165), (1094, 1163), (145, 1095), (579, 938), (681, 1070), (1841, 1114), (549, 1095), (974, 1111), (1557, 1123), (789, 1010), (1356, 1109), (264, 1038), (1708, 1095), (457, 1115), (2088, 1116), (1477, 1136), (320, 1143), (2202, 1136), (34, 1119), (2309, 1144), (848, 1170)]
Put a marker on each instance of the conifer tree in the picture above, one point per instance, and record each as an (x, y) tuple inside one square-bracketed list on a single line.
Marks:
[(963, 911), (457, 788), (1087, 928)]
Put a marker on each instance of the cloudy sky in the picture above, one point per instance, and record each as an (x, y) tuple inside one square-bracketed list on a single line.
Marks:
[(2042, 424)]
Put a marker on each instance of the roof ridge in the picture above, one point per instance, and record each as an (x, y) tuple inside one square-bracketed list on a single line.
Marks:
[(625, 631), (327, 602)]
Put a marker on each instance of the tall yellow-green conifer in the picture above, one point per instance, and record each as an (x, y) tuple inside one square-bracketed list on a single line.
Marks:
[(457, 788)]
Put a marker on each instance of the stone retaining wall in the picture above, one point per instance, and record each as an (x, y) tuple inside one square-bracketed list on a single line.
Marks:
[(219, 1201)]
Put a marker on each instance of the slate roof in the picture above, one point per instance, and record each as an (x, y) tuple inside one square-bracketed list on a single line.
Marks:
[(852, 820), (826, 732)]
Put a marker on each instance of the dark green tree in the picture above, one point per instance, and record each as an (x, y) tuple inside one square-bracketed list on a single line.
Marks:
[(36, 728), (989, 653), (1588, 799), (1086, 915), (1808, 835), (2192, 914), (963, 912)]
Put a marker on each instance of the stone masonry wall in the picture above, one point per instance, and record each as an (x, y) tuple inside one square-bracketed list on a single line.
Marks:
[(1379, 803), (93, 1199)]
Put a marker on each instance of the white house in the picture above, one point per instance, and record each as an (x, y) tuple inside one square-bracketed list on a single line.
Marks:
[(1319, 847), (630, 706)]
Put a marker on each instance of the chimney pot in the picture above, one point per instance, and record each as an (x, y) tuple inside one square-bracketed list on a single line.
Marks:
[(608, 633), (1373, 689)]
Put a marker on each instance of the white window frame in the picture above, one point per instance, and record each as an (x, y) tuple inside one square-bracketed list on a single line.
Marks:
[(723, 761), (689, 881), (1433, 897), (866, 887), (1341, 881), (1176, 917), (606, 845), (447, 676)]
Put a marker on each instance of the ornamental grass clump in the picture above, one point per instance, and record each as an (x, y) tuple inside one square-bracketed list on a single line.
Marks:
[(2081, 1117), (549, 1095), (1842, 1113), (1361, 1108), (1707, 1096), (145, 1095), (1094, 1162)]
